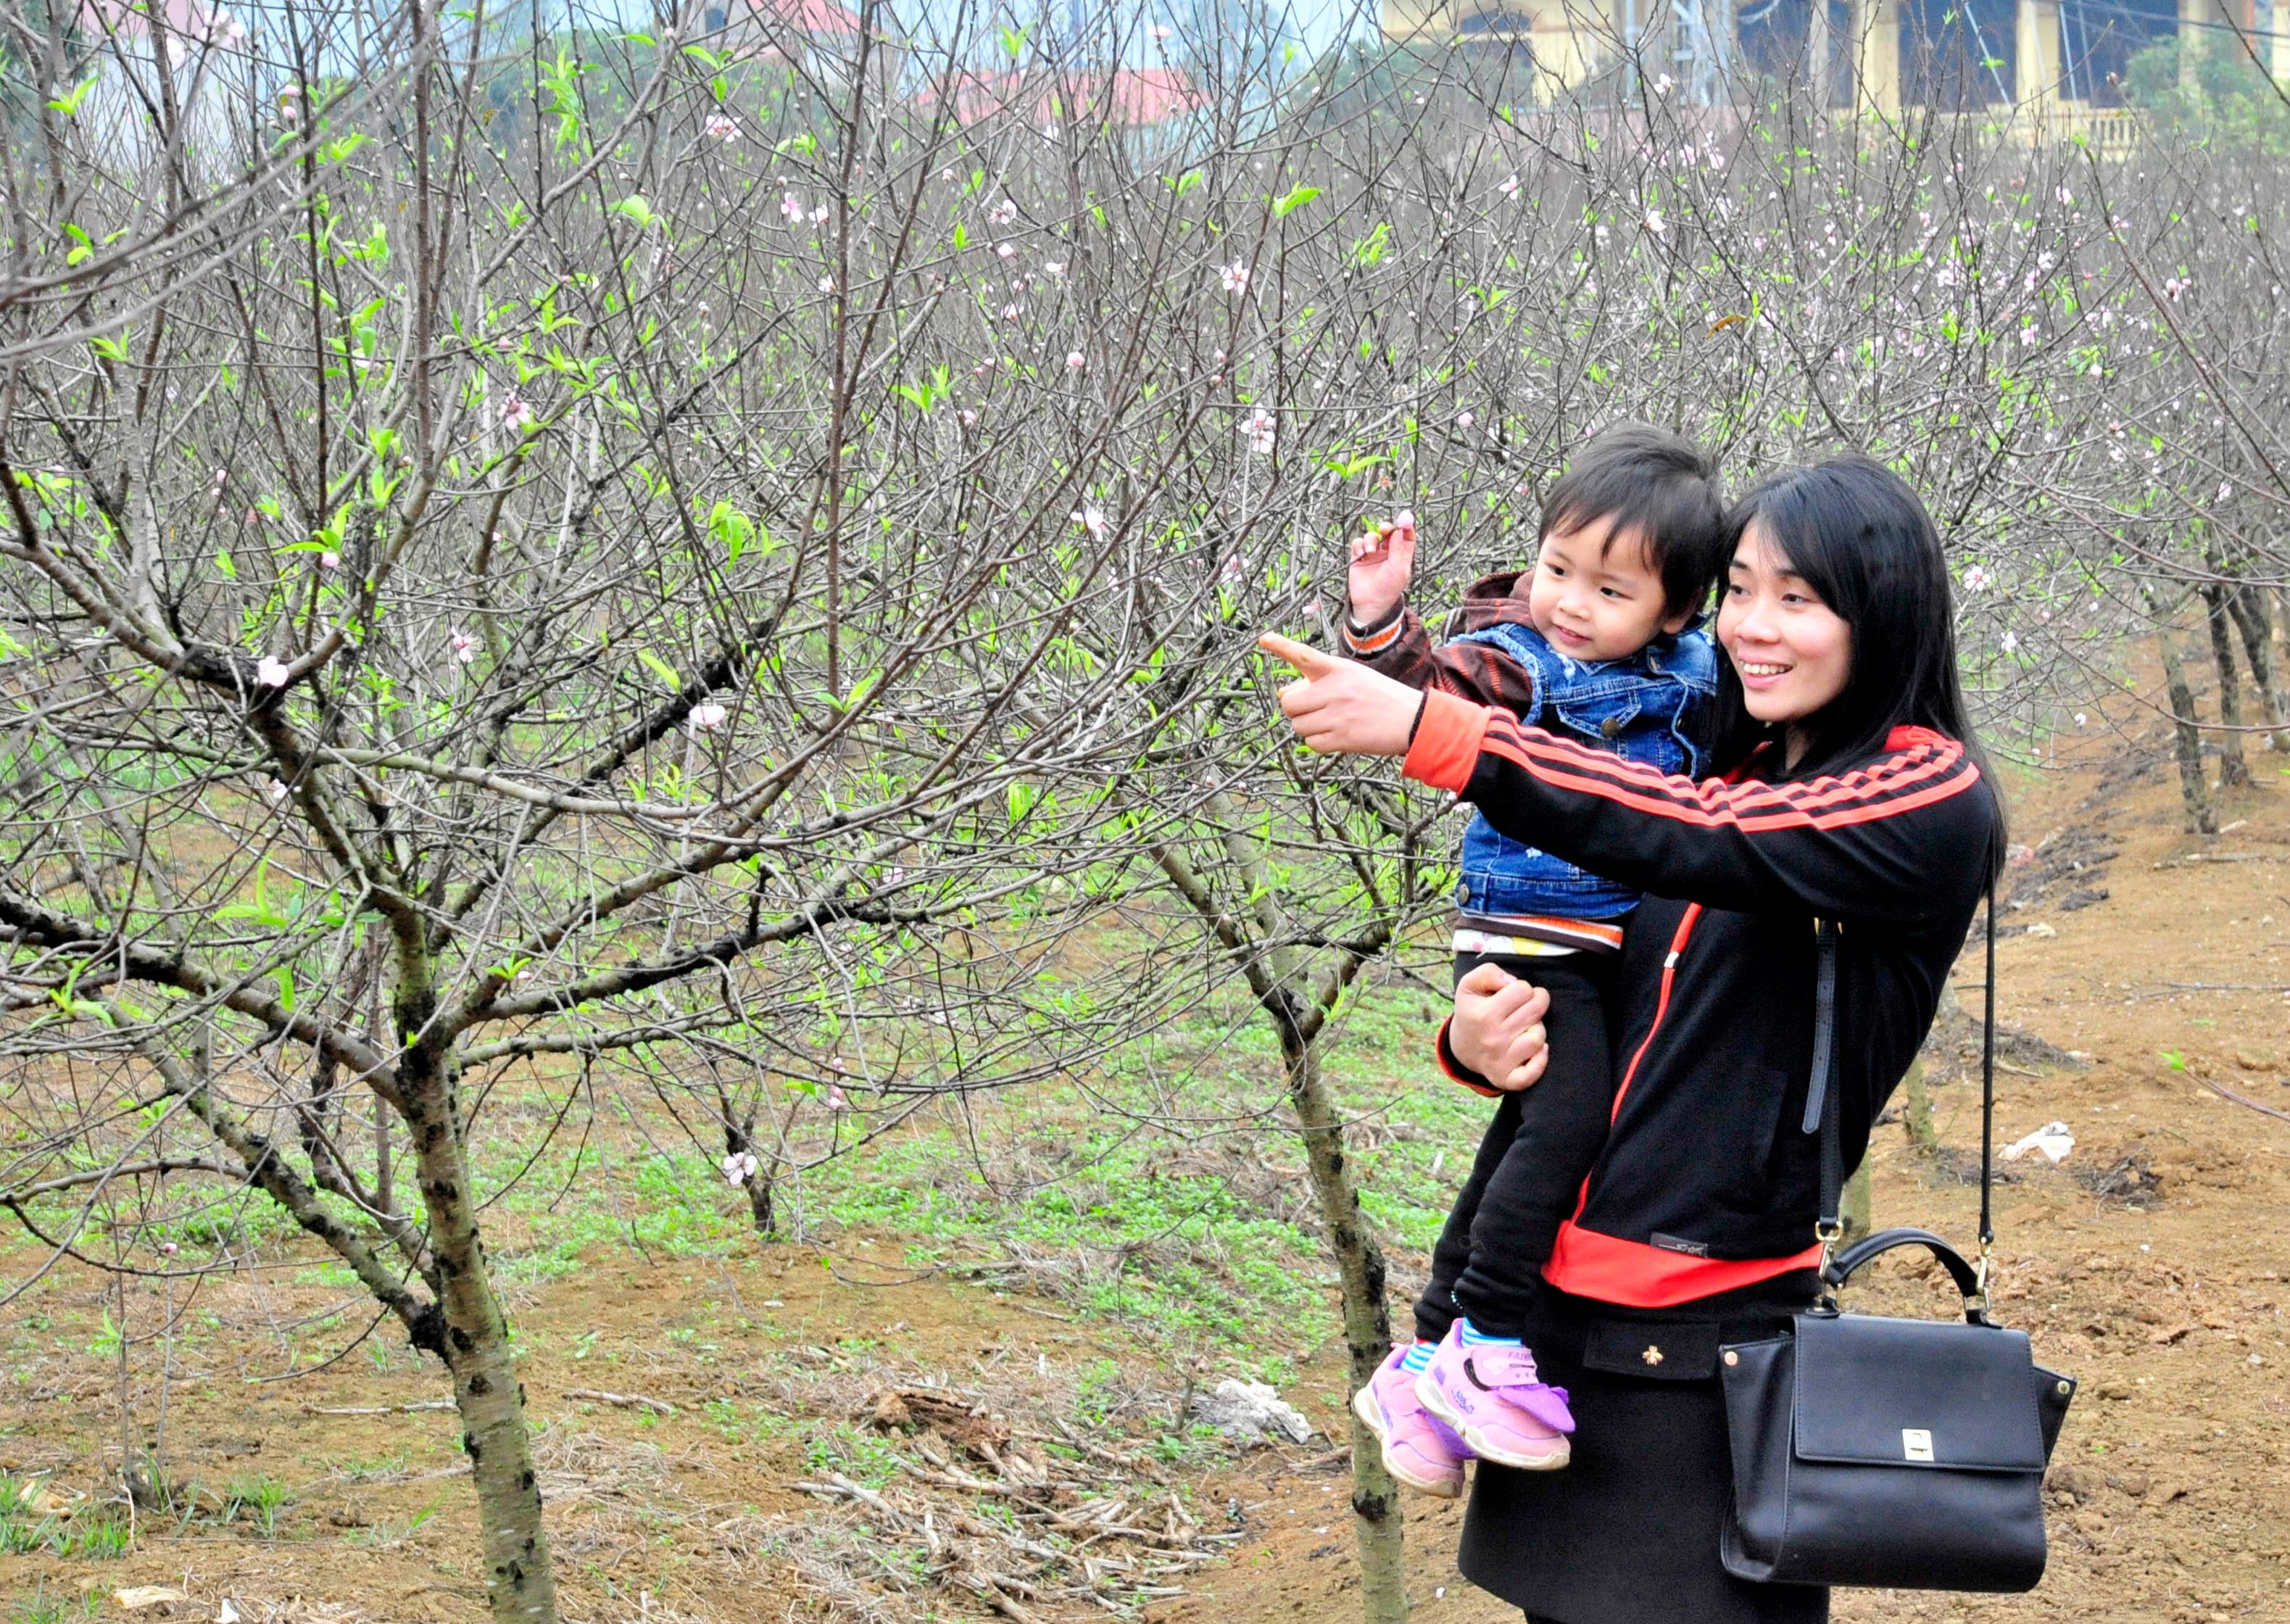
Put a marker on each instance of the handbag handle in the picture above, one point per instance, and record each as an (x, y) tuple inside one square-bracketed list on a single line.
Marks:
[(1842, 1267), (1821, 1117)]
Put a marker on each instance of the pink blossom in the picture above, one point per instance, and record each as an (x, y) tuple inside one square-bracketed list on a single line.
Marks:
[(1003, 251), (276, 790), (1004, 211), (1235, 277), (270, 671), (1654, 223), (1260, 427), (1009, 313), (465, 648), (1977, 579), (1661, 87), (2224, 491), (1508, 186), (1464, 419), (723, 127), (837, 1099), (827, 285), (1159, 31), (1074, 361), (330, 561), (791, 206), (514, 414), (1053, 267), (738, 1167), (1091, 520), (1232, 572), (168, 1249), (708, 715), (819, 216), (969, 417)]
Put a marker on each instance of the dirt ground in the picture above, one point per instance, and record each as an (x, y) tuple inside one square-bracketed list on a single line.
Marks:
[(2149, 1263)]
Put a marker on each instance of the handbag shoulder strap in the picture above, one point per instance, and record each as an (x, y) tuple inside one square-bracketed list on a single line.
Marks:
[(1820, 1098), (1988, 1096)]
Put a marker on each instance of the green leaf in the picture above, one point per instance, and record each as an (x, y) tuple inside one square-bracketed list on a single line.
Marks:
[(68, 104), (1297, 197), (661, 668), (637, 210)]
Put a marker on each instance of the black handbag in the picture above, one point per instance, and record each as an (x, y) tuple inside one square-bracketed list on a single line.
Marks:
[(1900, 1452)]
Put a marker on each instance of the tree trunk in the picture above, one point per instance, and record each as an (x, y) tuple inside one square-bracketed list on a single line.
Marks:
[(2186, 735), (1915, 1110), (2255, 621), (2233, 770), (1818, 51), (1367, 1329), (520, 1581), (1853, 1211)]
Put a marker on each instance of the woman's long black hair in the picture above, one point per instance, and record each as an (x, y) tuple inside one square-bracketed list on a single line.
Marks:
[(1863, 542)]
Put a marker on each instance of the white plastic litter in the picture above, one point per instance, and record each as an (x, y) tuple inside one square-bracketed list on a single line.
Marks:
[(1249, 1413), (2053, 1138)]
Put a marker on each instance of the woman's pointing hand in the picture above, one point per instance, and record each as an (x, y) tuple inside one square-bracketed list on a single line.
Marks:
[(1342, 707)]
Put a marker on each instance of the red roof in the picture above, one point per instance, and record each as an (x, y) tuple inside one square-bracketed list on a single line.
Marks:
[(816, 17), (1124, 96)]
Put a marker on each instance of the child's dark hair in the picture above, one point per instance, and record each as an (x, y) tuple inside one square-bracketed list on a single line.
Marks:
[(1658, 487), (1865, 544)]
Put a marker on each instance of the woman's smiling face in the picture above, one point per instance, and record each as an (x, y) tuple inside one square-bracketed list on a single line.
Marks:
[(1790, 650)]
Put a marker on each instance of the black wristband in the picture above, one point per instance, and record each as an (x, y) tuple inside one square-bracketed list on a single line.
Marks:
[(1423, 704)]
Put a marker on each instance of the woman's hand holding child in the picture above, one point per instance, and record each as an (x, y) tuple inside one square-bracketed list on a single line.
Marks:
[(1497, 1029)]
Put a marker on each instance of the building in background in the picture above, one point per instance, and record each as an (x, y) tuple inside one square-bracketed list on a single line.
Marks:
[(2051, 63)]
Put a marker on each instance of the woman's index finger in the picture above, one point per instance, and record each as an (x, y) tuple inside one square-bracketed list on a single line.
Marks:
[(1308, 661)]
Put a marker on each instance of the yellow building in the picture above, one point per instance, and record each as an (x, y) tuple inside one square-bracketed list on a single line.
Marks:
[(2049, 62)]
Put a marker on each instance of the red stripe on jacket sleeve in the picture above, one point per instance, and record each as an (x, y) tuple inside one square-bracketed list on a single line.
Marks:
[(1447, 739), (1929, 768), (1455, 1069)]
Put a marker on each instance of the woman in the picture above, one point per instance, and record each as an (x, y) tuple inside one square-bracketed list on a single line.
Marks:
[(1856, 794)]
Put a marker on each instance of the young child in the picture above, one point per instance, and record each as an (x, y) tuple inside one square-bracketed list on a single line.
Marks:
[(1599, 640)]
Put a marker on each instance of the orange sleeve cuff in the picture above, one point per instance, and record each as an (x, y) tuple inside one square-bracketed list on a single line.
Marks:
[(1446, 746), (1456, 1070)]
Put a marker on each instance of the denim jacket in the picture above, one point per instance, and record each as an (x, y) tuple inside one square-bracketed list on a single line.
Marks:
[(1651, 707)]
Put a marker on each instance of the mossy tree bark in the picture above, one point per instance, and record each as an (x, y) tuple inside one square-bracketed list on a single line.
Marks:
[(2186, 730), (520, 1581), (1258, 941), (2234, 769)]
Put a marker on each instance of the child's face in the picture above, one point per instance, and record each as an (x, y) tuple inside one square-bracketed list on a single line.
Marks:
[(1597, 602)]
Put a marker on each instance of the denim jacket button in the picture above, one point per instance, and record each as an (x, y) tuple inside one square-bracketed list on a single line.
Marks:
[(1611, 726)]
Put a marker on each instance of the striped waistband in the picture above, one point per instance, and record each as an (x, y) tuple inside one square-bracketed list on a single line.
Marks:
[(1535, 935)]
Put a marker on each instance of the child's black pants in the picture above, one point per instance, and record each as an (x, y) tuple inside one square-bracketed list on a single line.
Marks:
[(1531, 1165)]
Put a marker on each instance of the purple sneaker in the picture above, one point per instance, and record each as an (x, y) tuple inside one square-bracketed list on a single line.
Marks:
[(1491, 1398), (1418, 1448)]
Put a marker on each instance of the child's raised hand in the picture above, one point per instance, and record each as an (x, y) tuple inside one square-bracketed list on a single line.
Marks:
[(1342, 707), (1382, 561)]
